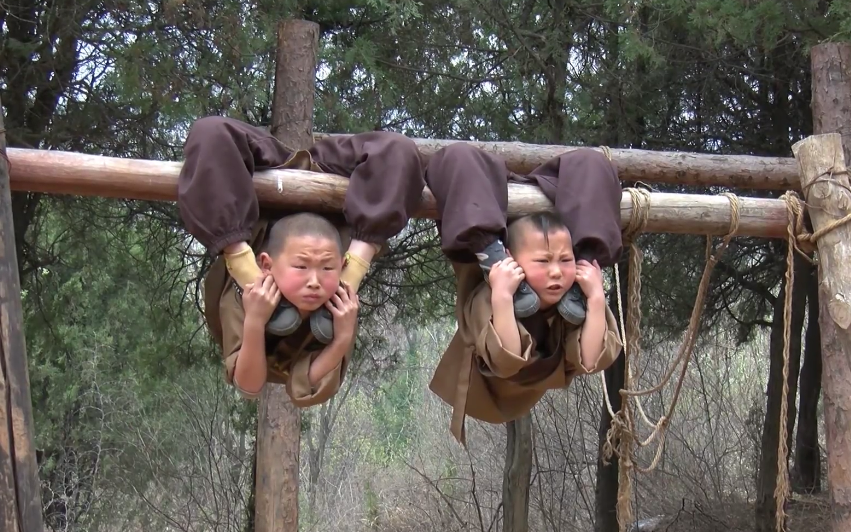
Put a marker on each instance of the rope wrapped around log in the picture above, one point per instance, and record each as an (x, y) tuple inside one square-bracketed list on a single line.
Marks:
[(622, 436)]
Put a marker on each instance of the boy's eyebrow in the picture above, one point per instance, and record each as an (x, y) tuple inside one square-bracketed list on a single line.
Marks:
[(545, 252), (324, 255)]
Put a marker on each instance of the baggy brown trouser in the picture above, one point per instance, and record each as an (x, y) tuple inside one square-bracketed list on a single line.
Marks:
[(216, 195), (470, 187)]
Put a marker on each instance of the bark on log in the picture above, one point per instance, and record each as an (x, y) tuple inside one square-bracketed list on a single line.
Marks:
[(831, 89), (91, 175), (676, 168), (20, 491), (279, 421), (829, 199), (517, 475)]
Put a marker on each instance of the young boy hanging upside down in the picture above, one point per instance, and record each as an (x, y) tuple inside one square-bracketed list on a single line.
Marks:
[(530, 305), (281, 298)]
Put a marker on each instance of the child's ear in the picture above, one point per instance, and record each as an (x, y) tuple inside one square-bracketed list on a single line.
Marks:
[(264, 261)]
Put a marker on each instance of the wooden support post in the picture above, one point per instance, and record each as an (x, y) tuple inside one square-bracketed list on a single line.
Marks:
[(279, 423), (20, 491), (822, 161), (517, 475)]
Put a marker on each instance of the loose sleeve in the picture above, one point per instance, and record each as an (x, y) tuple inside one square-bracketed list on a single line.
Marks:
[(302, 393), (232, 318), (612, 346), (492, 358)]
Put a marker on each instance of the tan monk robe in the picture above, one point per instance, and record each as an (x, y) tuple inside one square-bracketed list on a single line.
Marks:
[(288, 358), (477, 377)]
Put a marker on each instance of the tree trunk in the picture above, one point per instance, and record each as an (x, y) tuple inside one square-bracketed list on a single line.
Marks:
[(806, 470), (766, 504), (517, 475), (606, 492), (279, 423)]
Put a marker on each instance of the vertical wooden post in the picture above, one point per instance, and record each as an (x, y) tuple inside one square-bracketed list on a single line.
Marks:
[(20, 492), (517, 475), (279, 430), (825, 184)]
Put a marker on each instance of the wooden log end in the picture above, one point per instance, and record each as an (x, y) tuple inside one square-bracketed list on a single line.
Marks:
[(823, 139)]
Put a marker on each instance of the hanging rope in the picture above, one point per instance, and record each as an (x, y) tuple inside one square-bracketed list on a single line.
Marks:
[(622, 423), (800, 241), (622, 435)]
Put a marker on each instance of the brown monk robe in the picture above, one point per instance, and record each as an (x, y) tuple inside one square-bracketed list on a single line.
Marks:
[(219, 207), (288, 358), (476, 376)]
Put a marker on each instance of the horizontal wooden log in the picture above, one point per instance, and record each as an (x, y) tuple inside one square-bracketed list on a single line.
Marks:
[(677, 168), (57, 172)]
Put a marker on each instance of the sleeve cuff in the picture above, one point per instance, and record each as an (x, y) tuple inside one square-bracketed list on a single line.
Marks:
[(302, 393), (612, 346), (245, 394), (495, 360)]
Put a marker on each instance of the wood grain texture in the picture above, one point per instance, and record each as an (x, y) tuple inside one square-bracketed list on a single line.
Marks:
[(279, 421), (20, 491), (830, 199), (90, 175), (677, 168)]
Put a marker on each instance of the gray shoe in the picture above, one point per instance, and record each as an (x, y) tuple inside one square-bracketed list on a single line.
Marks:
[(322, 325), (526, 301), (284, 321), (573, 305)]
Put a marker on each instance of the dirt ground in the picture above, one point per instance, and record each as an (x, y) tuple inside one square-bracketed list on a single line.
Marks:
[(806, 514)]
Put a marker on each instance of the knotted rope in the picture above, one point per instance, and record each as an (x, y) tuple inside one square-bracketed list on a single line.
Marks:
[(622, 435)]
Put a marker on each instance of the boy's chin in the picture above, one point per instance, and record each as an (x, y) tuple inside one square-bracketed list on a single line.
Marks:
[(550, 299), (311, 308), (307, 307)]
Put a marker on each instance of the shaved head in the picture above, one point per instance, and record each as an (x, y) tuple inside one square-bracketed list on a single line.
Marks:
[(302, 224), (541, 222)]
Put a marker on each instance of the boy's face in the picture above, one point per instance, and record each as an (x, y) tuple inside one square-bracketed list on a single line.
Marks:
[(307, 270), (548, 263)]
